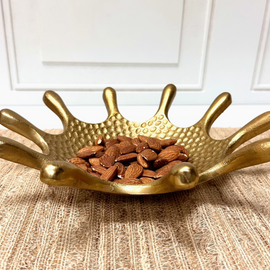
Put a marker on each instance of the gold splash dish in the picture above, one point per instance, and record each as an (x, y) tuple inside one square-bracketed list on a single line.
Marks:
[(209, 158)]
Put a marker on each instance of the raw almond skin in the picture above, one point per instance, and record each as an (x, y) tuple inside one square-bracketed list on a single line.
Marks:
[(77, 160), (134, 162), (154, 144), (133, 171), (149, 154), (169, 154), (110, 142), (99, 154), (99, 140), (148, 173), (182, 157), (159, 162), (94, 161), (146, 180), (167, 142), (165, 169), (144, 163), (141, 146), (109, 174), (122, 138), (86, 153), (107, 161), (95, 148), (98, 169), (124, 143), (127, 149), (89, 151), (136, 141), (82, 166), (127, 157), (142, 138), (113, 151), (180, 148), (120, 170)]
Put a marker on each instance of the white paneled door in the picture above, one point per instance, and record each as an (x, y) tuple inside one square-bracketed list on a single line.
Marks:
[(78, 48)]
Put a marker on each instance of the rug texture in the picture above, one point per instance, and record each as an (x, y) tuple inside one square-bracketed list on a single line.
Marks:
[(222, 224)]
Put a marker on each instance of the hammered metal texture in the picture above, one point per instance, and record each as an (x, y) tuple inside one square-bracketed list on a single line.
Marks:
[(204, 151), (209, 157)]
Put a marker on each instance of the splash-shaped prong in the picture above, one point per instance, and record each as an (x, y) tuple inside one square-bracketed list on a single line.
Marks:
[(17, 123), (252, 154), (19, 153), (255, 127), (56, 104), (219, 105), (166, 100), (110, 100)]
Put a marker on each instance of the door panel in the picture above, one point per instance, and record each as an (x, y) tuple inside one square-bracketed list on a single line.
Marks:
[(80, 47)]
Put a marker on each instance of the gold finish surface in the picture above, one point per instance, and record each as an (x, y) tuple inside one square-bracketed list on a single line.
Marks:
[(209, 158)]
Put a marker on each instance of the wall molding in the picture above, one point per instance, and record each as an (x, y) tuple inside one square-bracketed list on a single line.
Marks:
[(18, 86), (261, 51)]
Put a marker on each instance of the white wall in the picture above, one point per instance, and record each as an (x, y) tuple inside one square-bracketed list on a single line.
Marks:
[(78, 48)]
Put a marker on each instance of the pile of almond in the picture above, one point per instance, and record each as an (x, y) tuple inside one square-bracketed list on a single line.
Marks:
[(130, 161)]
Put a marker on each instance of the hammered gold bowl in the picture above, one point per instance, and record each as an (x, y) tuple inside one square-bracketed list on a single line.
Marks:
[(209, 158)]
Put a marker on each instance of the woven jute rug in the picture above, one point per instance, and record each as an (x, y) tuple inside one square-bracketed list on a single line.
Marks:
[(222, 224)]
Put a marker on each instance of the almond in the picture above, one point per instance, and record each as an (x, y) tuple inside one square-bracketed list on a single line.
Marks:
[(183, 157), (154, 144), (120, 170), (127, 157), (149, 154), (127, 149), (142, 138), (133, 171), (133, 162), (122, 138), (113, 151), (82, 166), (144, 163), (180, 148), (167, 142), (77, 160), (85, 153), (165, 169), (95, 148), (159, 162), (124, 143), (146, 180), (109, 174), (99, 140), (148, 173), (98, 169), (141, 146), (136, 141), (128, 181), (107, 161), (94, 161), (169, 154), (99, 154), (111, 142), (89, 151)]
